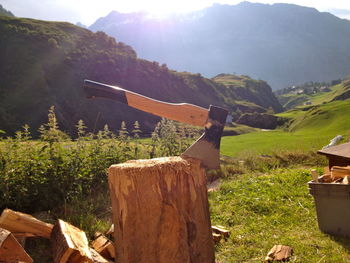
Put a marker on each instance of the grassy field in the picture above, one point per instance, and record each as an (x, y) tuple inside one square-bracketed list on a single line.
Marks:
[(266, 209), (267, 142), (308, 130)]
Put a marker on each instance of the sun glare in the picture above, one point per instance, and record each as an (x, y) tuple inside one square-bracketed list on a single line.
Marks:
[(161, 7)]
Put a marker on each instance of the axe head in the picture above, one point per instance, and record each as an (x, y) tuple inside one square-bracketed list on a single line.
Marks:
[(207, 147)]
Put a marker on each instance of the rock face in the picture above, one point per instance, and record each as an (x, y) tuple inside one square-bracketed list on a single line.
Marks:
[(258, 120)]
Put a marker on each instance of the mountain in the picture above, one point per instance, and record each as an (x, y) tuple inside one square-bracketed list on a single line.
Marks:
[(81, 25), (44, 63), (4, 12), (283, 44)]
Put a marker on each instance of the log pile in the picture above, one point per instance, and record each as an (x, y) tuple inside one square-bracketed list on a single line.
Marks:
[(336, 175), (69, 244)]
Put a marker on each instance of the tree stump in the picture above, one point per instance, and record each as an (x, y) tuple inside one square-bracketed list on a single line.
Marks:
[(160, 211)]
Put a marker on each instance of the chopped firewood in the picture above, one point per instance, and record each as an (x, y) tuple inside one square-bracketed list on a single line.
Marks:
[(338, 181), (314, 175), (110, 230), (69, 244), (279, 253), (221, 231), (25, 225), (216, 238), (103, 246), (346, 180), (11, 250), (326, 170), (21, 240), (326, 178), (97, 258), (340, 172)]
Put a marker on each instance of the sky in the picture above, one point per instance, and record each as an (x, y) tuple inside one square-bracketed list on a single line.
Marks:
[(88, 11)]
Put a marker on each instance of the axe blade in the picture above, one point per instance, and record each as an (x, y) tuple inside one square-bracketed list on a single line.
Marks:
[(207, 147)]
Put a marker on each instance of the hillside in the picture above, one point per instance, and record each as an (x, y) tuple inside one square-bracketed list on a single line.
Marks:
[(313, 94), (283, 44), (4, 12), (246, 92), (45, 63), (305, 128)]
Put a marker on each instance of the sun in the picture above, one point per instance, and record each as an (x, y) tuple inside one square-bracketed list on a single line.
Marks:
[(161, 7)]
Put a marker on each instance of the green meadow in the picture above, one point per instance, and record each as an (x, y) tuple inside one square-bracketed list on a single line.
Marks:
[(263, 209), (307, 129)]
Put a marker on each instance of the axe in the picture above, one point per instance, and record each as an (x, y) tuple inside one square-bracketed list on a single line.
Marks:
[(206, 148)]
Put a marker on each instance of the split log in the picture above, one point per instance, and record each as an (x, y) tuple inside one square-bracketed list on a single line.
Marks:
[(314, 175), (346, 180), (326, 178), (110, 231), (160, 211), (97, 258), (69, 244), (11, 250), (24, 225), (103, 246), (338, 172)]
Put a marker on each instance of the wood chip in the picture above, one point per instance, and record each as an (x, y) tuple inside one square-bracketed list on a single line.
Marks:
[(221, 231), (279, 253), (217, 238)]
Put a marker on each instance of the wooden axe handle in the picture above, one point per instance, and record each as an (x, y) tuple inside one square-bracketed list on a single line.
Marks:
[(182, 112)]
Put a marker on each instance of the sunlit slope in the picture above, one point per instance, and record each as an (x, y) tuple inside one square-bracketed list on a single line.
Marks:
[(336, 92), (309, 129), (45, 63), (324, 119)]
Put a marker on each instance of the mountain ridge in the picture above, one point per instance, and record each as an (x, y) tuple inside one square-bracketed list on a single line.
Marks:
[(284, 44)]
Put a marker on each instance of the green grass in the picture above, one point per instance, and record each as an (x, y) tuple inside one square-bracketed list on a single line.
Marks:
[(291, 100), (330, 118), (267, 142), (263, 210), (322, 97), (309, 130)]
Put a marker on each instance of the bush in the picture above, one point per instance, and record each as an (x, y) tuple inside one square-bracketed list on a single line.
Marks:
[(37, 175)]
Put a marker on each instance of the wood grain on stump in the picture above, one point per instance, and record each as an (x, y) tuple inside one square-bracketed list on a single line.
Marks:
[(160, 211)]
